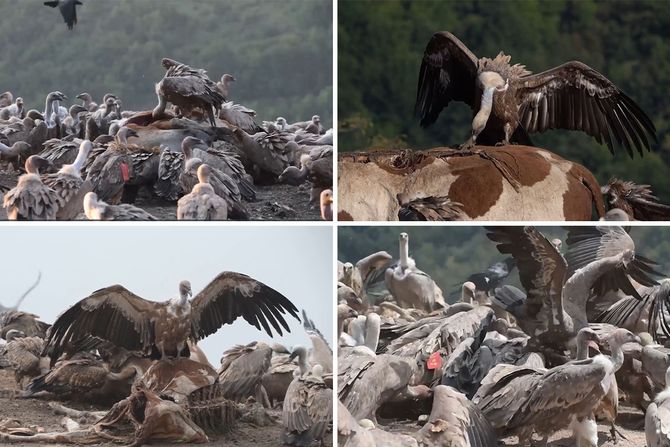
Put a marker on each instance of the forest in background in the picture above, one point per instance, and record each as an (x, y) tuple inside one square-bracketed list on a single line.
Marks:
[(451, 254), (381, 45), (279, 51)]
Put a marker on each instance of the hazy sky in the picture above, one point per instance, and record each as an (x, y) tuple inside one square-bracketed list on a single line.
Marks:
[(150, 261)]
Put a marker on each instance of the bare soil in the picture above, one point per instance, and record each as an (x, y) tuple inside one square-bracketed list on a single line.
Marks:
[(630, 424), (274, 202), (36, 412)]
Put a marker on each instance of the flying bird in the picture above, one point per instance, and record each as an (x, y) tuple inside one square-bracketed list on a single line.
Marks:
[(162, 329), (509, 102), (68, 9)]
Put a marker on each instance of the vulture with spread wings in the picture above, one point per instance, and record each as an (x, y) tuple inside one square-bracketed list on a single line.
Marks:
[(554, 309), (510, 102), (162, 329)]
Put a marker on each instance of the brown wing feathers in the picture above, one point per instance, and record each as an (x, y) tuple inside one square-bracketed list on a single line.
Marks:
[(113, 313), (448, 73), (575, 96), (231, 295)]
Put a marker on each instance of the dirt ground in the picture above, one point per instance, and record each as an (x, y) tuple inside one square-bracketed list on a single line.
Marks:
[(630, 424), (37, 412), (275, 202)]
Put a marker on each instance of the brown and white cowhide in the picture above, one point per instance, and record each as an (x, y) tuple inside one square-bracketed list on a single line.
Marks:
[(487, 183)]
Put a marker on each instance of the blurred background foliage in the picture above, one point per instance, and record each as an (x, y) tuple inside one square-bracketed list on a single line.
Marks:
[(279, 51), (451, 254), (381, 44)]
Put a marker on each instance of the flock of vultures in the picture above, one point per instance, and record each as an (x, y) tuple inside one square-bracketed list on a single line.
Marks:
[(577, 355), (139, 362), (196, 149)]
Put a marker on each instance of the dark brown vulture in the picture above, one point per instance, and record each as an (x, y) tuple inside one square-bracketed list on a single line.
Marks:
[(510, 102), (68, 9), (188, 89), (162, 329)]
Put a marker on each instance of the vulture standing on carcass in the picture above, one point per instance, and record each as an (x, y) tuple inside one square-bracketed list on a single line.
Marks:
[(187, 88), (162, 329), (509, 102)]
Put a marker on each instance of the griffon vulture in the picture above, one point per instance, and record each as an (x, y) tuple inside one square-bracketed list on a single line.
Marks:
[(509, 101), (162, 329)]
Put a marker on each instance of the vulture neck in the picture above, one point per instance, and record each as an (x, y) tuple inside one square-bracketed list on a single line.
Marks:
[(577, 288), (82, 155), (484, 112), (582, 348), (126, 373), (302, 362), (404, 254), (617, 355), (466, 295), (48, 109), (372, 327), (159, 110)]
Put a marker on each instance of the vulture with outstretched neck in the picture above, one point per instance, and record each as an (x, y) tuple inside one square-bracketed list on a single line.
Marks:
[(509, 102), (162, 329), (554, 309)]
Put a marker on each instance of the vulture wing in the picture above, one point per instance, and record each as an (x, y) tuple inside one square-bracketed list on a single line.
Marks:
[(242, 369), (588, 244), (114, 314), (448, 73), (541, 270), (574, 96), (231, 295)]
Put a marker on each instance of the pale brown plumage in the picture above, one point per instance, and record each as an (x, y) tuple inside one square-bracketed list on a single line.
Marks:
[(242, 370), (24, 355), (571, 96), (454, 420), (31, 199), (98, 210), (202, 203), (307, 411)]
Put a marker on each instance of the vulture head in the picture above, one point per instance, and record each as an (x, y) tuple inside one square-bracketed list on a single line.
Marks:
[(35, 115), (279, 348), (316, 119), (13, 334), (185, 291), (124, 133), (36, 164), (227, 78), (85, 96), (19, 102), (204, 173), (622, 336), (77, 109)]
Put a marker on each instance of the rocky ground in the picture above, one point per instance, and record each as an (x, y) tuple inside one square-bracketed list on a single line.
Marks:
[(36, 412)]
